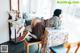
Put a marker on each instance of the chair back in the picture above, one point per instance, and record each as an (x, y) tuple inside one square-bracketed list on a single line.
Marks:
[(71, 45)]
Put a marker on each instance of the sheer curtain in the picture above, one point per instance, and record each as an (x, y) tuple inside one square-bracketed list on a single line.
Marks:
[(37, 8), (71, 17), (72, 9), (24, 7), (44, 9)]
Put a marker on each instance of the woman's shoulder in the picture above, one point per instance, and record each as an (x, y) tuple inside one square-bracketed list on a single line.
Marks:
[(53, 18)]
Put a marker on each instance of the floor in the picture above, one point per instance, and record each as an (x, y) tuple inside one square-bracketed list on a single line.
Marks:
[(15, 48), (19, 48)]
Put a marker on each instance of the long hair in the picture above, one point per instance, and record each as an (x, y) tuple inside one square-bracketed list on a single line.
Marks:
[(38, 28)]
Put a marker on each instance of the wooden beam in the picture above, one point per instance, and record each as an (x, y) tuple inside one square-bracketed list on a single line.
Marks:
[(10, 4), (18, 5)]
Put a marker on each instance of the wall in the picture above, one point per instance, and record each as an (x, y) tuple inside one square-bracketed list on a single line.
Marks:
[(4, 8)]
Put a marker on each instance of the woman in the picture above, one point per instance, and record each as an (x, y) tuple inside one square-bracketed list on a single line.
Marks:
[(55, 21), (38, 28)]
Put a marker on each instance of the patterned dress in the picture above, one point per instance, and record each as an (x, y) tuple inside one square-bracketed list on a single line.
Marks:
[(55, 22)]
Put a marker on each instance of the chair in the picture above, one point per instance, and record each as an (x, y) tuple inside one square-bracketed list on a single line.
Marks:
[(70, 45), (27, 44), (41, 44), (38, 29)]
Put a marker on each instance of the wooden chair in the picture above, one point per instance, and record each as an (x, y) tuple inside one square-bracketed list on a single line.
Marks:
[(70, 45), (27, 44), (41, 44), (38, 28)]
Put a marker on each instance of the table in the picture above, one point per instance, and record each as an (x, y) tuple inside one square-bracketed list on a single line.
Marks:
[(56, 37), (56, 43)]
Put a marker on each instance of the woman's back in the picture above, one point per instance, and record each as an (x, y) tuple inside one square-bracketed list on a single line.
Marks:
[(38, 28)]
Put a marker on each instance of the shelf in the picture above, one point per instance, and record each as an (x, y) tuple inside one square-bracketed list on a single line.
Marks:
[(16, 29)]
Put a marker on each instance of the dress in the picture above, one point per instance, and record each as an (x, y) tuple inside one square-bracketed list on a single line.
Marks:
[(55, 22)]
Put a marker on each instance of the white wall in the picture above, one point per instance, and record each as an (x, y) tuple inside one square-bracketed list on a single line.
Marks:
[(4, 8)]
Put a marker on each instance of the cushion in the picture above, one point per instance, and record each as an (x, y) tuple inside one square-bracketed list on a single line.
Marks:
[(58, 49)]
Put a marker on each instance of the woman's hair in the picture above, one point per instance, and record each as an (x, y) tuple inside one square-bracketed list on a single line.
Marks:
[(38, 27), (57, 12)]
